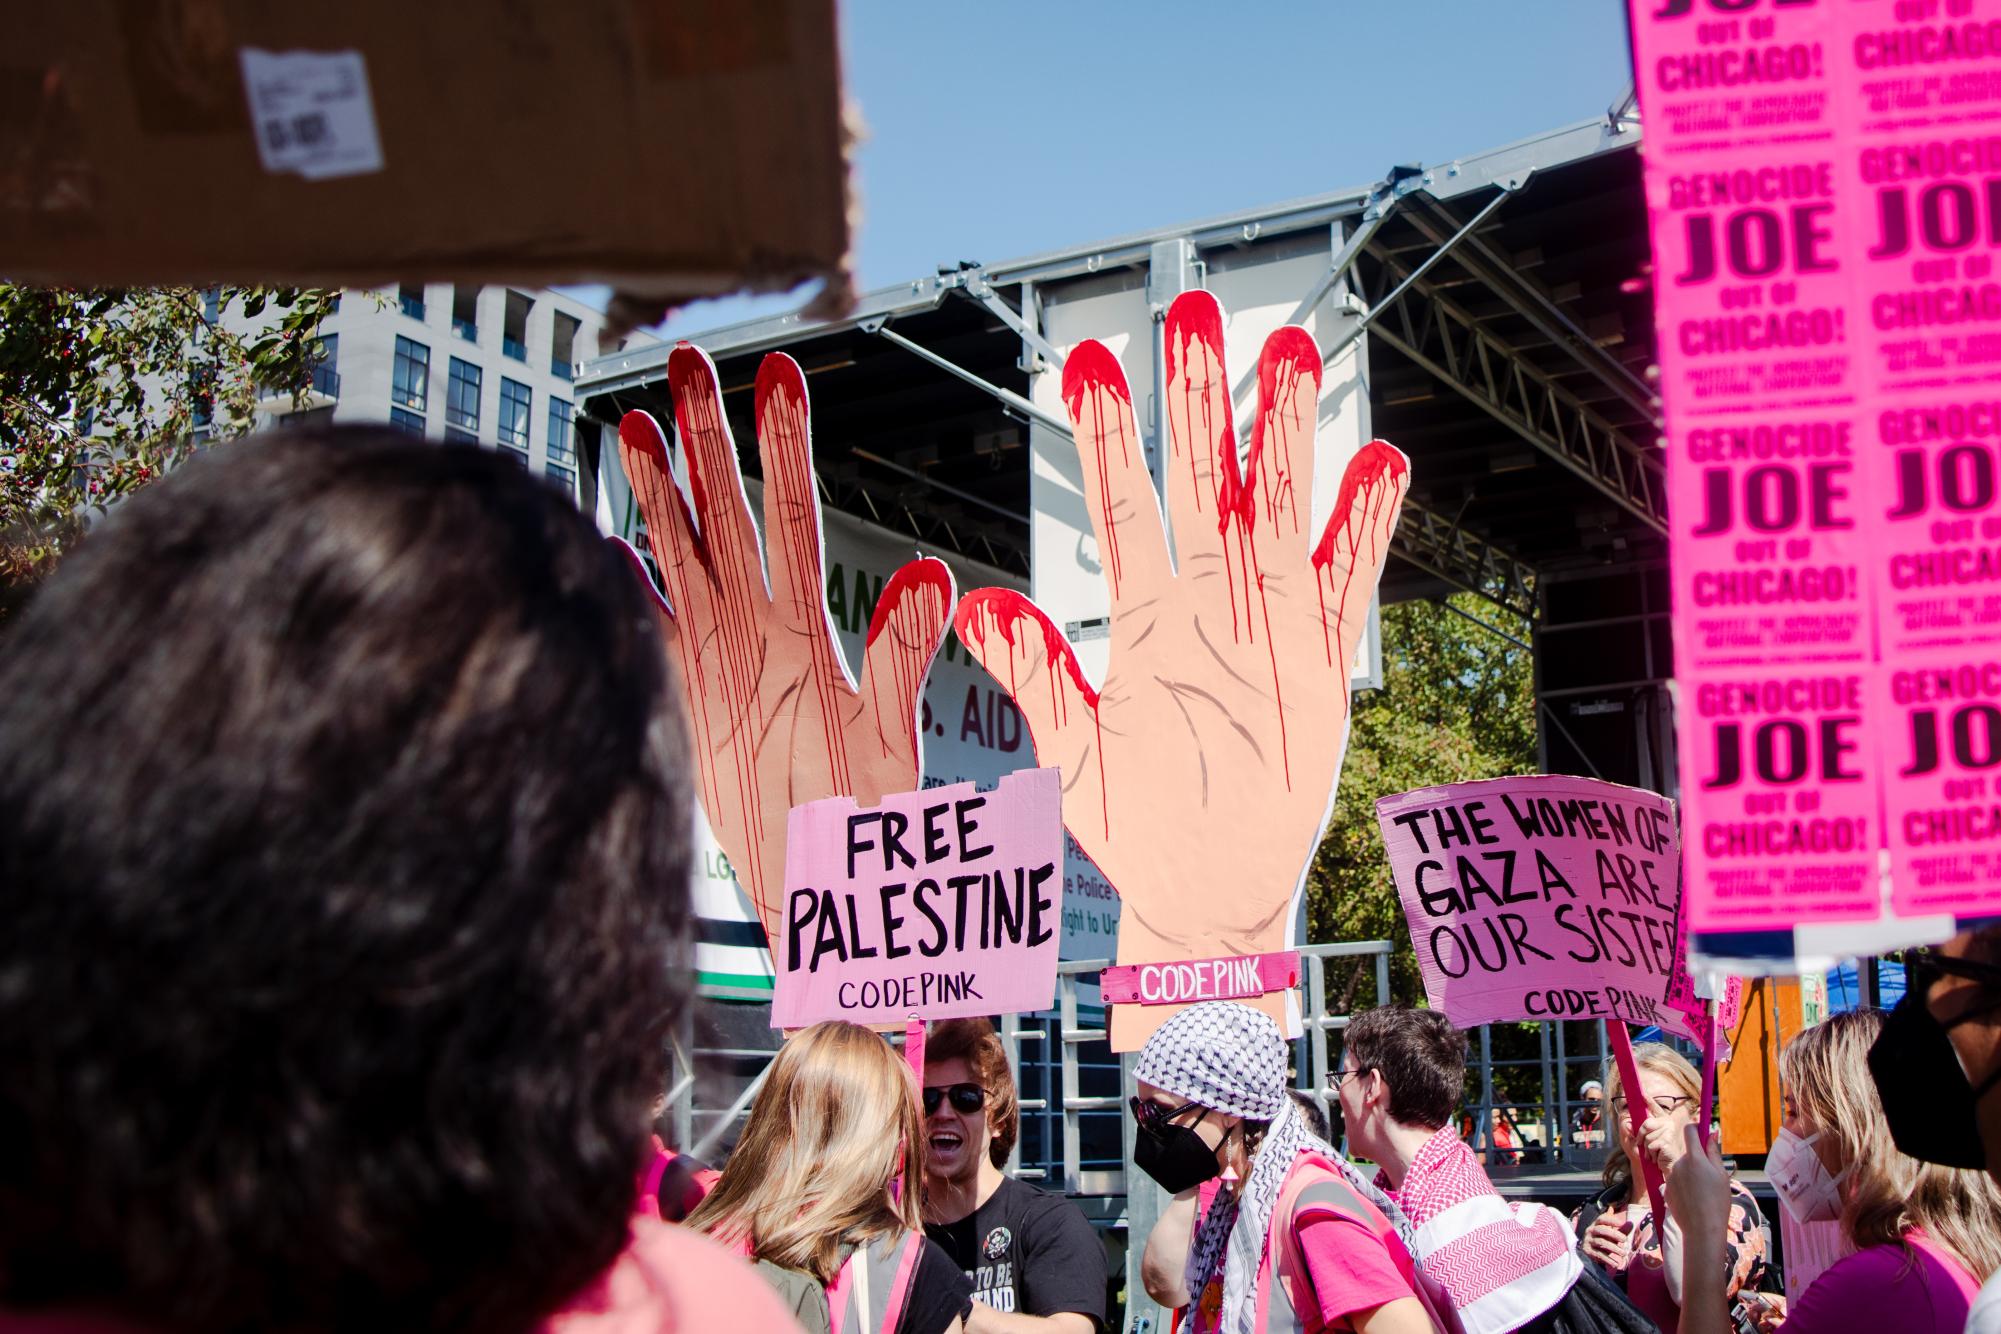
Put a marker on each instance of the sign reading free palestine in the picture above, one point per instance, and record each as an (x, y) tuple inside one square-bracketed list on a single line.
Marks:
[(941, 903)]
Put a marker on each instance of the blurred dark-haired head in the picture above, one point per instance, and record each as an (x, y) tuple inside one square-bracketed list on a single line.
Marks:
[(343, 845)]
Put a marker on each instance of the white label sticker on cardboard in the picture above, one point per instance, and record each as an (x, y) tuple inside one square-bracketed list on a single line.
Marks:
[(312, 112)]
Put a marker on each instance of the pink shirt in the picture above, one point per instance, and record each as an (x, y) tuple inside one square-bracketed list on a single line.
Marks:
[(1921, 1289), (1355, 1265)]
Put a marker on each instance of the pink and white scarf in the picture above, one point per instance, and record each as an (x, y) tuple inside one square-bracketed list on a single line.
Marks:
[(1496, 1265)]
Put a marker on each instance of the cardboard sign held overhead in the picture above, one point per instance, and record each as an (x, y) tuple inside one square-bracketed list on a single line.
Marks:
[(946, 902), (1201, 771), (1543, 897)]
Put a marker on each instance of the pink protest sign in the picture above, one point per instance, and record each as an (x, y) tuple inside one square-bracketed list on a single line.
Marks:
[(1231, 977), (1540, 897), (942, 903), (1824, 192)]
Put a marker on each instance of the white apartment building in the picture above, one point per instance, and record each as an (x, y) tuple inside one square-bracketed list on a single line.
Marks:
[(486, 365)]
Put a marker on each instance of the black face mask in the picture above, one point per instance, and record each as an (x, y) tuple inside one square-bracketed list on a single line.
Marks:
[(1175, 1156), (1926, 1096)]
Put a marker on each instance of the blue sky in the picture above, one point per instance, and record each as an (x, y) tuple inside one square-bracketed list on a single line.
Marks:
[(1002, 130)]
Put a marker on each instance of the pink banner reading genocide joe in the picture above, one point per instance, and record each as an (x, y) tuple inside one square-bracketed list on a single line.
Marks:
[(1824, 190)]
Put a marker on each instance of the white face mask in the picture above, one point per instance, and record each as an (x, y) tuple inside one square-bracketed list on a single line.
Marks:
[(1809, 1190)]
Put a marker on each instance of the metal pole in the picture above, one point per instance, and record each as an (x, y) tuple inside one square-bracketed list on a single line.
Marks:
[(1548, 1122), (729, 1117), (1362, 325), (1007, 396), (1144, 1202), (1072, 1123), (1484, 1128)]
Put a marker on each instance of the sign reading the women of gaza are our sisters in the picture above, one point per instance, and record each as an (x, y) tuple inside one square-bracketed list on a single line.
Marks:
[(1543, 897), (1823, 183), (942, 903)]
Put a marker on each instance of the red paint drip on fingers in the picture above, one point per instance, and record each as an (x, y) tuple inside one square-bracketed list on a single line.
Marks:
[(1289, 356), (1005, 612), (1093, 376), (1374, 476)]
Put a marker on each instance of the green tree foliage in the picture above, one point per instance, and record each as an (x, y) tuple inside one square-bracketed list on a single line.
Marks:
[(1457, 703), (101, 391)]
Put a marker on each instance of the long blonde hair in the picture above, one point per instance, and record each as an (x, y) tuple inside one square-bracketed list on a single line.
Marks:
[(1825, 1071), (1660, 1059), (834, 1124)]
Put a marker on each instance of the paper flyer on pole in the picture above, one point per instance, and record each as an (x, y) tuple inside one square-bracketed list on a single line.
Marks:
[(1824, 191)]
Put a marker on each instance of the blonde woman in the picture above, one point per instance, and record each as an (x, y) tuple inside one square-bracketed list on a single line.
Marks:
[(1617, 1230), (1925, 1236), (822, 1190)]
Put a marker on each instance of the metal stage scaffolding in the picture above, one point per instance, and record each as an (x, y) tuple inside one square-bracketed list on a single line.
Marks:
[(1502, 306)]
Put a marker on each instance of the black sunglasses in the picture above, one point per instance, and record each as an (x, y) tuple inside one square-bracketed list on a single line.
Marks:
[(965, 1097), (1152, 1115)]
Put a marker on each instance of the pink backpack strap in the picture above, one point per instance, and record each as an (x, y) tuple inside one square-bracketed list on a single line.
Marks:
[(906, 1271), (1311, 1169)]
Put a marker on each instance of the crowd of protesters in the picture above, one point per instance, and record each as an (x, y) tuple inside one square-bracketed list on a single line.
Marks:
[(342, 792)]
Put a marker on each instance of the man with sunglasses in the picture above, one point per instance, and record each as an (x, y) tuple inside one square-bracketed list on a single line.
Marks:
[(1036, 1263), (1937, 1066)]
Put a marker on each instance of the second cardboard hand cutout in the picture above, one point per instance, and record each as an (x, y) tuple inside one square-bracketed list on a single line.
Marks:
[(1200, 775), (775, 719)]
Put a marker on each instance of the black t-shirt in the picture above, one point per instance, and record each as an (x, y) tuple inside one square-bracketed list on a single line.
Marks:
[(1029, 1251), (939, 1293)]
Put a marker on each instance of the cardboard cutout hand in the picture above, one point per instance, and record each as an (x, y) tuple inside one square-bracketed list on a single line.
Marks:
[(775, 718), (1200, 776)]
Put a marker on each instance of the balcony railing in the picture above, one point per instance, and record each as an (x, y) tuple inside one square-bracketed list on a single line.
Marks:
[(326, 380), (413, 306), (561, 369), (515, 348), (466, 329)]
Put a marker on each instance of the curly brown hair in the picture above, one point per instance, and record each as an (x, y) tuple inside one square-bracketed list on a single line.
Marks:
[(975, 1042)]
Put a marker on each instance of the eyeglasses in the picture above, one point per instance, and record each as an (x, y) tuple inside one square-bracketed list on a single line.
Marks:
[(1666, 1105), (1152, 1115), (965, 1097), (1334, 1077)]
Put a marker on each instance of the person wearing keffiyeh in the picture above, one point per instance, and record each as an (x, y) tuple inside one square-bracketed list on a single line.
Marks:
[(1495, 1267), (1212, 1101)]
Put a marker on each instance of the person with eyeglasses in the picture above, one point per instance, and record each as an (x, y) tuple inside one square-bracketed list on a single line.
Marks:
[(1401, 1076), (1035, 1262), (1295, 1236), (1617, 1230)]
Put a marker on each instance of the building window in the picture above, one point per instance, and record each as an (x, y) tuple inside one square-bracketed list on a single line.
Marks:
[(326, 367), (211, 304), (410, 385), (465, 313), (411, 297), (562, 444), (462, 402), (562, 477), (515, 399), (407, 421), (514, 330), (563, 345)]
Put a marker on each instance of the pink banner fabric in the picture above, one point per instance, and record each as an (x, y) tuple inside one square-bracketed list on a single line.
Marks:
[(943, 903), (1235, 977), (1824, 190), (1543, 897)]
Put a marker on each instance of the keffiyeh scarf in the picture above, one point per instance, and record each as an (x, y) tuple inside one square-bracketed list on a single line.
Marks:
[(1231, 1058)]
